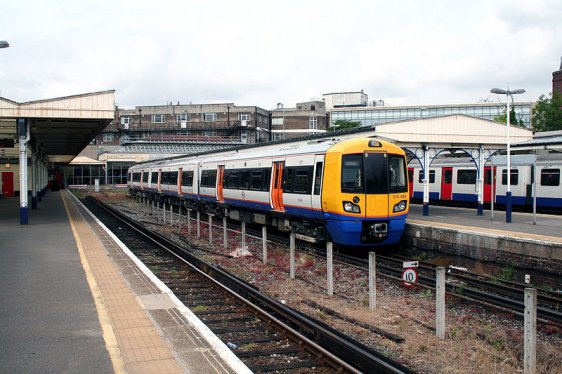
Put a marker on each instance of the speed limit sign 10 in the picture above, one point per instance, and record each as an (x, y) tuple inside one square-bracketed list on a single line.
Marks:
[(409, 276)]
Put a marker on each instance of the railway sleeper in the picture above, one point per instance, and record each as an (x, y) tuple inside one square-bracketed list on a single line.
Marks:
[(268, 352), (237, 329), (289, 366), (226, 320)]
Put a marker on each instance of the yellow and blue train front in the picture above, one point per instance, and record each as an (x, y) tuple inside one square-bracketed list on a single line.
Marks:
[(366, 202)]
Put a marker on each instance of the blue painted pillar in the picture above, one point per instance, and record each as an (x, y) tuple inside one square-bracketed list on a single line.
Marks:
[(508, 207)]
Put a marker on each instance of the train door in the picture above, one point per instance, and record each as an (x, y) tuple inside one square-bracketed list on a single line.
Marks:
[(317, 186), (411, 181), (8, 183), (220, 181), (277, 186), (489, 183), (446, 183)]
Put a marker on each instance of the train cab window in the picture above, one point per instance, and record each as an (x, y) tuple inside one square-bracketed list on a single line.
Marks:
[(550, 177), (352, 174), (514, 175), (466, 176), (154, 177), (397, 174), (145, 177), (187, 178), (208, 178), (318, 178), (431, 176)]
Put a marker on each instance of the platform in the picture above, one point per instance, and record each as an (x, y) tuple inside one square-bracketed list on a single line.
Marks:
[(74, 301), (461, 231)]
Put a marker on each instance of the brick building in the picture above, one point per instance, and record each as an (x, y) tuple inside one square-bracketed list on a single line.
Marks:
[(557, 80)]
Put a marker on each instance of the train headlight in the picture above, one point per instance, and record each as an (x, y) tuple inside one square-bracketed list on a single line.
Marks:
[(348, 206), (400, 207)]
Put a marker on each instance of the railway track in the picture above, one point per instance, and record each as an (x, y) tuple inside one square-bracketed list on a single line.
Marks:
[(265, 334)]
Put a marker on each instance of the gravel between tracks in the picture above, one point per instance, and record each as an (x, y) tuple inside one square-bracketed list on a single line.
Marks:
[(478, 340)]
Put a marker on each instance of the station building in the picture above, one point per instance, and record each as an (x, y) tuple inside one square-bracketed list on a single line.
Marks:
[(354, 106)]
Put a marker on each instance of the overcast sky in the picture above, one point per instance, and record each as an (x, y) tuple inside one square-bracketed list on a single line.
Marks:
[(408, 52)]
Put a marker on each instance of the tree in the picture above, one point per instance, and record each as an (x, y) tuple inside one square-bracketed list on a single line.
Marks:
[(512, 118), (547, 113), (342, 124)]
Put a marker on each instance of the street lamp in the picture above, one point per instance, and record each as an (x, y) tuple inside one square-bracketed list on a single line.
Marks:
[(4, 44), (508, 93)]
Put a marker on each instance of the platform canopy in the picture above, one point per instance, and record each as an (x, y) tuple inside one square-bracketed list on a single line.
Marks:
[(60, 128)]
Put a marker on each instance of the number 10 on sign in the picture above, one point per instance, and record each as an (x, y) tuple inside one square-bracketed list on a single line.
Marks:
[(409, 277)]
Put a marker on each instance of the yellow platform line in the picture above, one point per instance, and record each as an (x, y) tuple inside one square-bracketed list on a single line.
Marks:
[(109, 337)]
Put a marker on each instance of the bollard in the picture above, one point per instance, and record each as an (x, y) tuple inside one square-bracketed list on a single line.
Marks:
[(372, 281), (164, 212), (210, 228), (198, 224), (189, 221), (243, 247), (530, 333), (440, 303), (224, 233), (292, 256), (179, 218), (264, 244), (171, 215), (330, 268)]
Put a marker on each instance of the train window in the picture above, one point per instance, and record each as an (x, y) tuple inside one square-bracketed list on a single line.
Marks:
[(244, 183), (302, 180), (410, 174), (266, 179), (164, 178), (173, 178), (466, 176), (397, 174), (447, 175), (318, 178), (376, 173), (208, 178), (231, 178), (288, 180), (431, 176), (154, 177), (514, 175), (256, 179), (550, 177), (136, 177), (145, 177), (187, 178), (488, 176), (352, 174)]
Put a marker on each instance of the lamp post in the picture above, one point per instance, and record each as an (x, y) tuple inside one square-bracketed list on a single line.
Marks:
[(228, 116), (508, 93)]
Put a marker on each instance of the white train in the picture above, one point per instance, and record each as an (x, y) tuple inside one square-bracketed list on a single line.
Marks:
[(454, 180)]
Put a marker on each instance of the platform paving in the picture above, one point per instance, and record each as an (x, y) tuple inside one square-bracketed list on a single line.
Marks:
[(82, 304)]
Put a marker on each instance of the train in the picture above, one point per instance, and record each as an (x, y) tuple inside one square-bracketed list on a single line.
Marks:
[(452, 181), (352, 192)]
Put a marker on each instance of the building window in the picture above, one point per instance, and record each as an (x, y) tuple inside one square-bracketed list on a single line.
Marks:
[(209, 117), (243, 116), (158, 118), (108, 137), (125, 120), (209, 133), (313, 107), (184, 117), (277, 121), (313, 123)]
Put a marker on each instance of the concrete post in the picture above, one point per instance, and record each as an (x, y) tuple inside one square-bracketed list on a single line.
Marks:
[(243, 235), (440, 303), (224, 233), (179, 218), (210, 228), (264, 244), (330, 268), (372, 281), (198, 224), (292, 256), (171, 215), (530, 334), (189, 221)]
